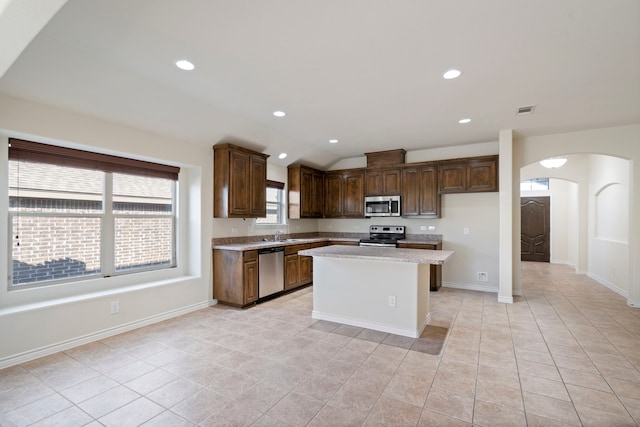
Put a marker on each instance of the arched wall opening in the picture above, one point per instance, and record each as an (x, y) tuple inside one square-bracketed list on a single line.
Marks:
[(591, 196)]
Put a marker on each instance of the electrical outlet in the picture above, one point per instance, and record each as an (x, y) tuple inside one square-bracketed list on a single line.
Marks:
[(483, 276), (465, 230), (115, 307), (234, 230), (423, 228), (392, 301), (432, 228)]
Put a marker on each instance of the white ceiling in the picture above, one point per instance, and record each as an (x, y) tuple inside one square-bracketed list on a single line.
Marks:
[(367, 72)]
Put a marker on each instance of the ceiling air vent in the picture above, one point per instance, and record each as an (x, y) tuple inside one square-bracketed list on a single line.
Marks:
[(526, 110)]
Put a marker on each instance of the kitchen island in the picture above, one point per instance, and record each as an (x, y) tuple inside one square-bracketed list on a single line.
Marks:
[(384, 289)]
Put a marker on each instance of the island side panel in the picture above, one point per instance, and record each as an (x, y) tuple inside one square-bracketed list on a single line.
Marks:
[(356, 292)]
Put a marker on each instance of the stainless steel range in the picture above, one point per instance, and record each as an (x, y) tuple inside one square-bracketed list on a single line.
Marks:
[(384, 235)]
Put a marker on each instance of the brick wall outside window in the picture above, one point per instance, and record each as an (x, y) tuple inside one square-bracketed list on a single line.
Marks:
[(49, 247)]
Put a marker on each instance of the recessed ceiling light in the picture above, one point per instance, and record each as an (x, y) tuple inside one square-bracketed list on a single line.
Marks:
[(279, 113), (452, 74), (333, 141), (463, 121), (183, 64), (282, 155)]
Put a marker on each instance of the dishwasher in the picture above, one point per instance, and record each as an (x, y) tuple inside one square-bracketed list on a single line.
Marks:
[(271, 271)]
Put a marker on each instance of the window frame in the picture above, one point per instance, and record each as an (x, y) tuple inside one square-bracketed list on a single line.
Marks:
[(26, 151), (281, 204)]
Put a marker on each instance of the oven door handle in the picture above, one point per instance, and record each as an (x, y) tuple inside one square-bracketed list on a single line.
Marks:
[(383, 245)]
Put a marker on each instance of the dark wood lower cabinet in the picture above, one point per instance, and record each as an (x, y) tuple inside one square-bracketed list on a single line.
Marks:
[(297, 268), (435, 271), (235, 277)]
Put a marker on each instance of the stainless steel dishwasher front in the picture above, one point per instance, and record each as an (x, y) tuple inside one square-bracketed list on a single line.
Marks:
[(271, 271)]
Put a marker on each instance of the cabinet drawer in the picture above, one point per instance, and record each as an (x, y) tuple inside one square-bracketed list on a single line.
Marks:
[(293, 249), (416, 246), (250, 256)]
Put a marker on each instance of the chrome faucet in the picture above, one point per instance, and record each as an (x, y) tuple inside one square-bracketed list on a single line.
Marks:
[(277, 236)]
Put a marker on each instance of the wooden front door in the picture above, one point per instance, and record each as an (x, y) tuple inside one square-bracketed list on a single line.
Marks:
[(535, 237)]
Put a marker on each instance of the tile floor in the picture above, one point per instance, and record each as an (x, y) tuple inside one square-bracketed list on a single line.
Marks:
[(567, 353)]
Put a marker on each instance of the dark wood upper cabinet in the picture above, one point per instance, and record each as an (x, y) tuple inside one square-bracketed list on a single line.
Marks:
[(344, 193), (383, 182), (239, 182), (474, 174), (306, 192), (420, 197), (482, 175)]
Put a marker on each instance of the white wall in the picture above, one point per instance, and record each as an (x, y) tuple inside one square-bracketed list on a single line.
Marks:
[(609, 222), (35, 322)]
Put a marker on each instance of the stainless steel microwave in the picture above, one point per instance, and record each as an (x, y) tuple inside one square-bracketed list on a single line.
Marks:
[(382, 206)]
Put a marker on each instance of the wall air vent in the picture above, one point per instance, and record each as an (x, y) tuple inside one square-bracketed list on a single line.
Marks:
[(526, 110)]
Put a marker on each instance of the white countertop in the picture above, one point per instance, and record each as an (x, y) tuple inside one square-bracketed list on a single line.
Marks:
[(416, 256)]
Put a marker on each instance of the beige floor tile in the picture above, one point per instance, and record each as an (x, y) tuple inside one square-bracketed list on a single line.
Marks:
[(584, 379), (295, 409), (632, 406), (200, 405), (450, 404), (72, 416), (565, 333), (455, 381), (488, 414), (502, 377), (534, 356), (151, 381), (372, 381), (38, 410), (389, 411), (168, 419), (575, 364), (358, 400), (625, 388), (430, 418), (132, 414), (350, 356), (527, 367), (174, 392), (330, 416), (362, 345), (88, 389), (318, 387), (234, 414), (499, 395), (605, 401), (383, 365), (548, 407), (108, 401), (391, 352), (407, 390), (617, 372), (595, 417)]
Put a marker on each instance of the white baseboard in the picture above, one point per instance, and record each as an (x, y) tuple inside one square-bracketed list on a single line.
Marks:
[(506, 300), (609, 285), (105, 333), (481, 288), (411, 333)]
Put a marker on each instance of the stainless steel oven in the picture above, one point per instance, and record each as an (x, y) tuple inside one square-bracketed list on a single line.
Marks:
[(384, 235), (381, 206)]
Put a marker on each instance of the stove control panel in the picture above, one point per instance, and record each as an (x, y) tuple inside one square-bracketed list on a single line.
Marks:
[(386, 229)]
